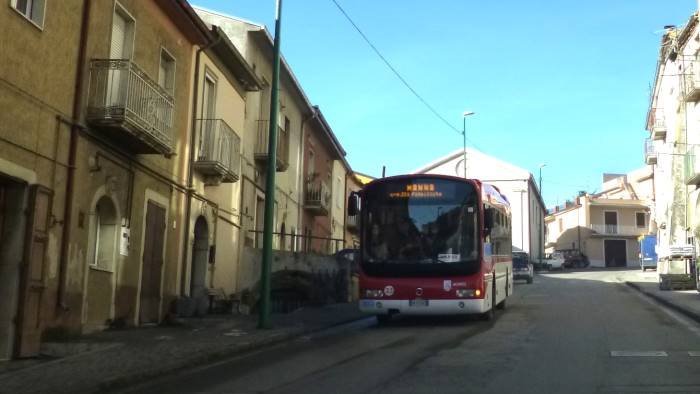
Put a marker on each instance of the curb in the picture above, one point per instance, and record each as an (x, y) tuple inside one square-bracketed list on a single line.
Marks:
[(123, 382), (695, 316)]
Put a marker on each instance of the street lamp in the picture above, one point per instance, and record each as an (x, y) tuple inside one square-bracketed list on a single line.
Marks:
[(539, 247), (464, 138)]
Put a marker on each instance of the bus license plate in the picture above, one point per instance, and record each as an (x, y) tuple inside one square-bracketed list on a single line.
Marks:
[(418, 302)]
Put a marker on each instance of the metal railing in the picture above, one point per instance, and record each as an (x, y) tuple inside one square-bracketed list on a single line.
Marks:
[(219, 145), (301, 243), (317, 194), (121, 92), (353, 222), (649, 151), (614, 229), (262, 141)]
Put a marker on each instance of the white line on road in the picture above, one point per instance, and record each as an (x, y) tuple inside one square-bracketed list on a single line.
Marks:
[(636, 353), (694, 353)]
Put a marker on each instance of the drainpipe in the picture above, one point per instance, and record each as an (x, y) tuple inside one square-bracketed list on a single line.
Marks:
[(190, 166), (72, 153)]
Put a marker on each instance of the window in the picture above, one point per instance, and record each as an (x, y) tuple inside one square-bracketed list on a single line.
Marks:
[(166, 74), (641, 219), (31, 9)]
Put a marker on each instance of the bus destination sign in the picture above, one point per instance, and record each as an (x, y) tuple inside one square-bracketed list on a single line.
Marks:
[(417, 190)]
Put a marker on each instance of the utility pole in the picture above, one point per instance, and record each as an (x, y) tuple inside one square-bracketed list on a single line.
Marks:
[(264, 317), (541, 244), (464, 138)]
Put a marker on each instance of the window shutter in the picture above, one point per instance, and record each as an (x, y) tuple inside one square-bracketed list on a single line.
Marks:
[(118, 47)]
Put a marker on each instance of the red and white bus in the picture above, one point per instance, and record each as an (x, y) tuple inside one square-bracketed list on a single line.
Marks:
[(433, 244)]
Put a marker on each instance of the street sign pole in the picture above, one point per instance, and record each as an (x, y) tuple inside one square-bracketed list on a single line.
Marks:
[(264, 317)]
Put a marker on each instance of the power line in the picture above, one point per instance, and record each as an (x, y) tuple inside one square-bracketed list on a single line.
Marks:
[(398, 75)]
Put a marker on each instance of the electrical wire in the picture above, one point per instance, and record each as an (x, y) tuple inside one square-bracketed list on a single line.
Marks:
[(398, 75)]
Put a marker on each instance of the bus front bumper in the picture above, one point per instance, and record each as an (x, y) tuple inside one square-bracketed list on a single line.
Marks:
[(433, 307)]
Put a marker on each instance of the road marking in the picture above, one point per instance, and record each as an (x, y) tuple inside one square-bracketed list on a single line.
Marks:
[(694, 353), (635, 353)]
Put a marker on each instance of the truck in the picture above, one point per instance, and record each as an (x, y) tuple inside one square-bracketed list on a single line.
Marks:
[(647, 252), (676, 268)]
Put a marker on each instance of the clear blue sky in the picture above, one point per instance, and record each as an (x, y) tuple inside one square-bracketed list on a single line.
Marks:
[(560, 82)]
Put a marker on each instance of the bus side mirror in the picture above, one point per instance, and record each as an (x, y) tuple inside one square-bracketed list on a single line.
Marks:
[(353, 204), (488, 221)]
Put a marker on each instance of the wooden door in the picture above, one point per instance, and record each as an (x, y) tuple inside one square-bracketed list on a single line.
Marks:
[(33, 273), (152, 267)]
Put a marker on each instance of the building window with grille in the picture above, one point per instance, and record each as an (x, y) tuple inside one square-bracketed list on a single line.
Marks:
[(31, 9), (641, 219)]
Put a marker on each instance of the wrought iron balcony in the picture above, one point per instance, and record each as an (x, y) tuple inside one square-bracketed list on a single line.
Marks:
[(692, 166), (658, 126), (126, 103), (353, 223), (218, 156), (650, 156), (317, 198), (691, 88), (262, 140)]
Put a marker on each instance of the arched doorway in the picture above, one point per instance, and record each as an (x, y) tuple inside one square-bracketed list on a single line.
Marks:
[(200, 259), (104, 231)]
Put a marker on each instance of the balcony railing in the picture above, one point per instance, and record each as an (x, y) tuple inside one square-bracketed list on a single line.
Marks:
[(691, 88), (219, 155), (614, 229), (650, 156), (317, 198), (692, 166), (261, 144), (658, 126), (353, 223), (126, 102)]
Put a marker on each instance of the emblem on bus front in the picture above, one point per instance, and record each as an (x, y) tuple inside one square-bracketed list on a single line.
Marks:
[(447, 285), (419, 292), (389, 291)]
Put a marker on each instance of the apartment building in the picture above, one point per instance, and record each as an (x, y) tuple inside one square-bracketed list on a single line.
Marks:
[(100, 153), (222, 81), (605, 226), (671, 150)]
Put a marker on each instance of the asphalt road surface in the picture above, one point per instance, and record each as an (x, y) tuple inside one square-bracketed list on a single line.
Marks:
[(572, 332)]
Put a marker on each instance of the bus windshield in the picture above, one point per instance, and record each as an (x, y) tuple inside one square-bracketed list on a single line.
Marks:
[(420, 227)]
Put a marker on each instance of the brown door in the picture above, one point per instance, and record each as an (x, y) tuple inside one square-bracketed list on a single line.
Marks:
[(33, 273), (615, 252), (152, 264)]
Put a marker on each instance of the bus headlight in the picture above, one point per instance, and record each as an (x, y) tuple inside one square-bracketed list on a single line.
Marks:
[(468, 293), (372, 293)]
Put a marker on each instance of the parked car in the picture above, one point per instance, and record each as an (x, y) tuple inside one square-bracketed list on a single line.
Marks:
[(555, 261), (573, 258), (522, 267)]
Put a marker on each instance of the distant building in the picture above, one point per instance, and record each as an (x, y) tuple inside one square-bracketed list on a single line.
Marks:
[(517, 184), (605, 226)]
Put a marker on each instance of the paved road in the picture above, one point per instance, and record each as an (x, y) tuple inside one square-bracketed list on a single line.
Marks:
[(574, 332)]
